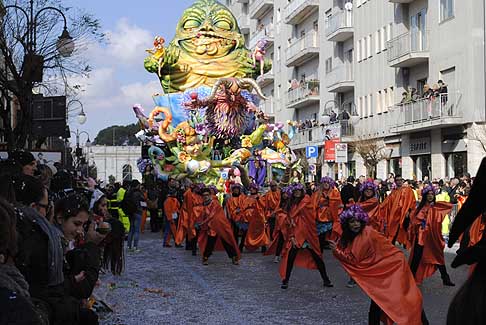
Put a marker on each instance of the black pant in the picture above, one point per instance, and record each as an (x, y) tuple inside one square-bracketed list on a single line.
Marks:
[(154, 215), (418, 251), (212, 242), (280, 244), (375, 314), (323, 241), (317, 259), (271, 224), (194, 243)]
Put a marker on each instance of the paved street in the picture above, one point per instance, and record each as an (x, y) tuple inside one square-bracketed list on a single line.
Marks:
[(183, 291)]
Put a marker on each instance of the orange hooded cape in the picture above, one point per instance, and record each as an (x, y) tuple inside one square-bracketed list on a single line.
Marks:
[(271, 202), (236, 206), (302, 228), (281, 226), (172, 208), (381, 270), (326, 204), (256, 236), (396, 206), (213, 222), (426, 230), (375, 213), (186, 219)]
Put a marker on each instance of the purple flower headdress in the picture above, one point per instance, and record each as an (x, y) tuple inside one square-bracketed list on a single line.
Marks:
[(368, 185), (213, 188), (328, 180), (287, 190), (255, 186), (354, 211), (296, 186), (427, 189)]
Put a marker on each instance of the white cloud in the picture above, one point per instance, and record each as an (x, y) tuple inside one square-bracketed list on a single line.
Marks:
[(114, 86)]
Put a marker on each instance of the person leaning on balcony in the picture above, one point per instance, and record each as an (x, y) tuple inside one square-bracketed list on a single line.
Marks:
[(443, 91), (415, 95), (428, 93)]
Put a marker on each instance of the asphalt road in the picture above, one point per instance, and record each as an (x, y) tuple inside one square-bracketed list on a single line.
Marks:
[(170, 286)]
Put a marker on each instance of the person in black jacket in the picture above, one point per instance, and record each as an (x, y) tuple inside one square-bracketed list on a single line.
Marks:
[(348, 192), (16, 306)]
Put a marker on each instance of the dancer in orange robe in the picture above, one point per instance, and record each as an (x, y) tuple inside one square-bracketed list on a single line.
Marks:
[(326, 203), (186, 228), (214, 229), (380, 269), (426, 235), (172, 210), (236, 209), (256, 236), (280, 233), (398, 207), (271, 201), (371, 205), (302, 248)]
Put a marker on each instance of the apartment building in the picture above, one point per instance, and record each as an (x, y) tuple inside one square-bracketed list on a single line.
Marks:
[(365, 58)]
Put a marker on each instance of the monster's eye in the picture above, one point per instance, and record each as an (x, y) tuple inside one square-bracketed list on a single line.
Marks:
[(191, 23), (223, 24)]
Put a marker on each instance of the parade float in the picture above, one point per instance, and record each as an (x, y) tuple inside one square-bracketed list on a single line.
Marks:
[(206, 122)]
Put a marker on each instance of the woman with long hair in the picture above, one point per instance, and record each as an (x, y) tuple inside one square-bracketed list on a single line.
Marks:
[(427, 254), (302, 247), (113, 256), (380, 269)]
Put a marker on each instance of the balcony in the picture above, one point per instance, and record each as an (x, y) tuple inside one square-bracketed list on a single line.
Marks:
[(408, 50), (303, 49), (378, 125), (304, 95), (258, 8), (340, 79), (267, 106), (265, 33), (242, 1), (424, 114), (297, 10), (339, 27), (317, 135), (244, 23), (401, 1), (266, 79)]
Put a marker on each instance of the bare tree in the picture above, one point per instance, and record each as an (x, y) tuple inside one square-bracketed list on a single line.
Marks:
[(478, 133), (17, 45), (372, 151)]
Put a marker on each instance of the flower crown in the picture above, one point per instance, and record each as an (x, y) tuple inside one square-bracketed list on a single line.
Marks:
[(296, 186), (328, 180), (368, 185), (427, 189), (354, 211)]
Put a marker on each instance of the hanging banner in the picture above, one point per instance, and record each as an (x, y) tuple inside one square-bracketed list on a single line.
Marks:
[(330, 150)]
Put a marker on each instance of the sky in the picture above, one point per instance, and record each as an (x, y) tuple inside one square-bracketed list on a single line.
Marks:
[(119, 80)]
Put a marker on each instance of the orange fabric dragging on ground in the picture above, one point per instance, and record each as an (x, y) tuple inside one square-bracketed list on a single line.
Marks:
[(256, 236), (381, 270)]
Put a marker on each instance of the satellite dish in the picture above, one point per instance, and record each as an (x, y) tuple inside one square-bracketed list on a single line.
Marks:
[(348, 6)]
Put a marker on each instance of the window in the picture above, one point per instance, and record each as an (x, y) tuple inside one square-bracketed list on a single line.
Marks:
[(377, 41), (358, 3), (358, 51), (360, 106), (389, 32), (315, 26), (385, 100), (279, 15), (446, 9), (370, 105), (379, 102), (391, 97), (127, 173), (368, 44), (363, 49), (328, 65), (365, 109)]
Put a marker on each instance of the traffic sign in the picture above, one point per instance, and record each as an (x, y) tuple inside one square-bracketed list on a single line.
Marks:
[(311, 152)]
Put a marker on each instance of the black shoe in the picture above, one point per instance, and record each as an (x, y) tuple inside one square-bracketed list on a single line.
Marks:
[(194, 253), (327, 284), (447, 282), (284, 285)]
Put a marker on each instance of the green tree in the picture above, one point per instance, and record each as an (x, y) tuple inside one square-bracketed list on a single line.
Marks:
[(118, 135)]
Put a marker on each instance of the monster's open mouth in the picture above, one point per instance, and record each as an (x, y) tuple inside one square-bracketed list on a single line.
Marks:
[(207, 43)]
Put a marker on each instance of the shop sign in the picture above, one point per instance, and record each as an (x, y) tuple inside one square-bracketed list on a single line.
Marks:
[(341, 150), (419, 146)]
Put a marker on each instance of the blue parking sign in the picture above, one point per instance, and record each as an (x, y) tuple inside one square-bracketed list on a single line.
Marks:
[(311, 152)]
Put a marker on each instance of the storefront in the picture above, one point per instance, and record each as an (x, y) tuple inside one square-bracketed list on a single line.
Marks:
[(455, 154), (420, 153)]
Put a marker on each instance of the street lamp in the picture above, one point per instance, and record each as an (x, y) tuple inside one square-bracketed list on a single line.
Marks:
[(81, 117)]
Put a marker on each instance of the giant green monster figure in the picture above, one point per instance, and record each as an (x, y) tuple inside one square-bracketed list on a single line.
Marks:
[(208, 45)]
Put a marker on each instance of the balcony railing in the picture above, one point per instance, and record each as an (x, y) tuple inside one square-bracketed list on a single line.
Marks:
[(339, 27), (265, 33), (266, 79), (341, 78), (303, 48), (317, 134), (296, 10), (303, 94), (425, 113), (408, 49), (244, 23)]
